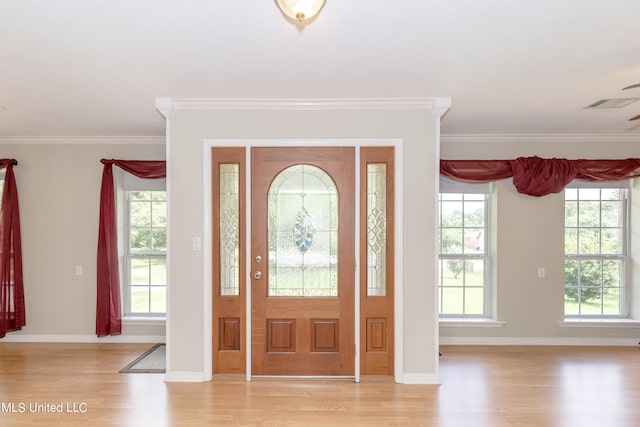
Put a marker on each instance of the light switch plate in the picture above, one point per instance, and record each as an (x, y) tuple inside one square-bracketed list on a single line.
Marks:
[(197, 243)]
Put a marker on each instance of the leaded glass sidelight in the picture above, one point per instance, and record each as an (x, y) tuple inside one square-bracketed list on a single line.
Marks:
[(376, 229), (229, 230), (303, 233)]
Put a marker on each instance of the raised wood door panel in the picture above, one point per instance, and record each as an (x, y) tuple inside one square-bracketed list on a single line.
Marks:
[(229, 300), (377, 306), (302, 335)]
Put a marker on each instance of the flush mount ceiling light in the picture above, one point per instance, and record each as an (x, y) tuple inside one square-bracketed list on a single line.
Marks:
[(300, 10)]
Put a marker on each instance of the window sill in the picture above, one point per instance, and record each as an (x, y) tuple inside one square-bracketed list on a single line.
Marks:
[(144, 321), (471, 323), (600, 323)]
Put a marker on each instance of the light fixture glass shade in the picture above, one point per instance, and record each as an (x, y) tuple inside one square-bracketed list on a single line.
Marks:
[(300, 9)]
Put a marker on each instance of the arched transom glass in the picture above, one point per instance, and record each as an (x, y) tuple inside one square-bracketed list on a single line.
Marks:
[(303, 233)]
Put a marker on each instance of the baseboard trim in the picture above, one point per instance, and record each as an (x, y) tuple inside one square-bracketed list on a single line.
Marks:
[(129, 339), (184, 377), (559, 341), (420, 379)]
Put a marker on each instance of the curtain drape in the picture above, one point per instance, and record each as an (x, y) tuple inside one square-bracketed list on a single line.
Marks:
[(12, 313), (108, 311), (536, 176)]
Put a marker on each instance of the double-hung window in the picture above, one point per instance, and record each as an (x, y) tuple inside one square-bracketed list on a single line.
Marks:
[(145, 287), (596, 247), (463, 279)]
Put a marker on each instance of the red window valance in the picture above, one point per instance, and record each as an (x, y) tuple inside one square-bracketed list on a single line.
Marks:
[(536, 176), (12, 312), (108, 311)]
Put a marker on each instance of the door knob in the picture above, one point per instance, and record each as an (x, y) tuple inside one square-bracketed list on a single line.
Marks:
[(257, 275)]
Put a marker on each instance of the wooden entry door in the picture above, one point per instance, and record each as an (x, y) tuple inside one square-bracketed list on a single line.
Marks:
[(302, 261)]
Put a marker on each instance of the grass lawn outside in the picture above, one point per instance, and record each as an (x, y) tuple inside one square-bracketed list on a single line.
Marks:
[(456, 298)]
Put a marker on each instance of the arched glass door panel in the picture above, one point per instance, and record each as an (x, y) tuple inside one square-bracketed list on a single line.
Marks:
[(302, 233)]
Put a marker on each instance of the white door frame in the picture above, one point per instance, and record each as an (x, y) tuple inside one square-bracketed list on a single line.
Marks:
[(207, 145)]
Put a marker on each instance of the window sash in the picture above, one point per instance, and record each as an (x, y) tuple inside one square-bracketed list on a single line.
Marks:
[(137, 184), (623, 257), (486, 307), (484, 256)]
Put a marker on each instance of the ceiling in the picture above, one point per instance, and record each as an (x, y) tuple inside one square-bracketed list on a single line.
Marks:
[(95, 67)]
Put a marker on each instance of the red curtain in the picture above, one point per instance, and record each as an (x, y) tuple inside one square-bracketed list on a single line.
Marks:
[(536, 176), (12, 314), (108, 312)]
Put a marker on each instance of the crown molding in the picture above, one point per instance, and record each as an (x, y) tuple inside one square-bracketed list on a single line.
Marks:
[(540, 138), (169, 105), (165, 106), (90, 140), (441, 106)]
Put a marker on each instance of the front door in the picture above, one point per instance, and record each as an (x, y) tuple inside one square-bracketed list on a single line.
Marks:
[(302, 261)]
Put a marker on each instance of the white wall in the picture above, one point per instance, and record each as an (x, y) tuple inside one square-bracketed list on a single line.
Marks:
[(59, 193), (188, 128), (59, 185), (529, 233)]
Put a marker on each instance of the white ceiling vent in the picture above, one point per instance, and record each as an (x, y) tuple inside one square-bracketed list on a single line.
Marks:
[(613, 103)]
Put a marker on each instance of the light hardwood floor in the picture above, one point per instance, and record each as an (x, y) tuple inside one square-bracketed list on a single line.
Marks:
[(481, 386)]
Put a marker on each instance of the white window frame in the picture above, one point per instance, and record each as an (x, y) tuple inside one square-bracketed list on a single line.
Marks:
[(625, 286), (448, 186), (132, 183), (2, 175)]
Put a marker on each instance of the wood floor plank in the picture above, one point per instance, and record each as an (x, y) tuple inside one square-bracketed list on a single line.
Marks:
[(481, 386)]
